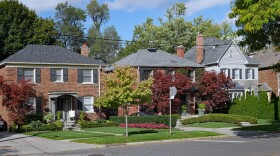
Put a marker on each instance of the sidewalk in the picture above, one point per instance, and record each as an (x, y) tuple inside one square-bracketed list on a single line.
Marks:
[(20, 144)]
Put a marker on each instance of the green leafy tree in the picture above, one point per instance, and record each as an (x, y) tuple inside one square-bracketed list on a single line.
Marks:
[(98, 13), (69, 24), (123, 89), (258, 22), (20, 26), (226, 32)]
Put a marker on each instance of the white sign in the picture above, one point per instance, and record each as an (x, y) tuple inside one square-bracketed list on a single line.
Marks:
[(173, 92)]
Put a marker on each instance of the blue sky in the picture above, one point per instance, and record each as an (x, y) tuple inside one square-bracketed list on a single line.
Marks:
[(126, 14)]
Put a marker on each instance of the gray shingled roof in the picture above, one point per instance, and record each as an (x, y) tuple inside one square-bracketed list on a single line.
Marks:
[(213, 49), (153, 58), (49, 54), (267, 58)]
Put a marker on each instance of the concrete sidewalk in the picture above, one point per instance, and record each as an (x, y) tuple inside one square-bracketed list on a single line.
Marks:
[(20, 144)]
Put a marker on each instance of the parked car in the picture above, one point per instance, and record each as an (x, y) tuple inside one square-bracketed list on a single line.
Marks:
[(2, 124), (140, 114)]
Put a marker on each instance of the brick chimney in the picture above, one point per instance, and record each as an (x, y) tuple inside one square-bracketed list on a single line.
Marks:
[(180, 51), (199, 48), (85, 50)]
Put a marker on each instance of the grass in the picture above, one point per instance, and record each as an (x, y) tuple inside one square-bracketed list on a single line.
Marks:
[(267, 121), (63, 135), (212, 125), (121, 130), (147, 137), (264, 125)]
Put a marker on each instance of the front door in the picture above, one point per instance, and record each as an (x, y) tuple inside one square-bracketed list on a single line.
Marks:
[(64, 104)]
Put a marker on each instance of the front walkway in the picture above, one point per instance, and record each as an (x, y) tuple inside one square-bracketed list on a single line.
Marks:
[(20, 144)]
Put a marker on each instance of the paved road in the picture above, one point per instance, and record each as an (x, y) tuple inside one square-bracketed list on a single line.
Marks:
[(255, 145)]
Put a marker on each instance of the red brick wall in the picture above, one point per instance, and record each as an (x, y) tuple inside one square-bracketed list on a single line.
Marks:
[(270, 77)]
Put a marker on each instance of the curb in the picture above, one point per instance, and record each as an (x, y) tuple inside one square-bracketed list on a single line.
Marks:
[(159, 141)]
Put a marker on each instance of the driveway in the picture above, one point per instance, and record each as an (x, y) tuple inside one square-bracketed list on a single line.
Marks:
[(20, 144)]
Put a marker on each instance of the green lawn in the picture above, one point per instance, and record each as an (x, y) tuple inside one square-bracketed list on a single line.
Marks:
[(121, 130), (267, 121), (265, 125), (62, 135), (212, 125), (147, 137)]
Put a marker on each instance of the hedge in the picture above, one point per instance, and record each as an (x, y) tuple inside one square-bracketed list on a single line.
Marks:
[(95, 125), (228, 118), (162, 119), (256, 106), (45, 127)]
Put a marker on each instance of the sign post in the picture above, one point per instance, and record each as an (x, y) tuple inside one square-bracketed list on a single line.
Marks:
[(172, 93)]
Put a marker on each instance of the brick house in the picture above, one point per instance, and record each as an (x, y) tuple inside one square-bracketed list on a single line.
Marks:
[(67, 81), (148, 61), (225, 56), (267, 75)]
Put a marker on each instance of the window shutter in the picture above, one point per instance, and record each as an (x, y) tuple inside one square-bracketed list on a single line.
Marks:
[(52, 75), (38, 75), (240, 73), (38, 105), (228, 72), (142, 75), (80, 75), (80, 103), (253, 73), (20, 74), (233, 71), (95, 76), (65, 75), (246, 73)]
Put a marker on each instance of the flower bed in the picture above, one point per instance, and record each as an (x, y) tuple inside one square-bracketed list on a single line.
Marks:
[(146, 125)]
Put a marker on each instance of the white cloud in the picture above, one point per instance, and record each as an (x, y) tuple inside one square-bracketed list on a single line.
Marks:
[(194, 6), (131, 5), (47, 5)]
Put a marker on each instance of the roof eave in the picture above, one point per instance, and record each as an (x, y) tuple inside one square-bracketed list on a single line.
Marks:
[(38, 63)]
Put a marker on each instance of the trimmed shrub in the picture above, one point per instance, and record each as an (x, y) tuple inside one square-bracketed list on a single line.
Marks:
[(163, 119), (146, 125), (95, 124), (236, 119), (43, 127)]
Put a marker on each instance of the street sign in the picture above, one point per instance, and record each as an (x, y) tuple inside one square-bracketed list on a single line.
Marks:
[(173, 92)]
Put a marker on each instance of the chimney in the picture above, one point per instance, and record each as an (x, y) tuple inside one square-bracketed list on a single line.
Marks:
[(180, 51), (85, 50), (199, 48)]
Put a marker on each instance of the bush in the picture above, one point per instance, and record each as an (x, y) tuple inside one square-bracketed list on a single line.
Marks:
[(236, 119), (146, 125), (94, 124), (33, 117), (43, 127), (163, 119), (48, 118)]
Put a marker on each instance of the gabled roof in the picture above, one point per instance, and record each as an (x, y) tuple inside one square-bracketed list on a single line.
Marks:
[(153, 58), (214, 48), (267, 58), (49, 54), (264, 87)]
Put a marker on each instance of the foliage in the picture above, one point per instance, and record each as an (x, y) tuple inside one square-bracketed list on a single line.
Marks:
[(48, 118), (160, 89), (16, 99), (20, 26), (258, 22), (58, 115), (58, 123), (228, 118), (201, 106), (35, 124), (43, 127), (213, 91), (69, 25), (91, 124), (33, 117), (258, 107), (146, 126), (162, 119), (98, 13)]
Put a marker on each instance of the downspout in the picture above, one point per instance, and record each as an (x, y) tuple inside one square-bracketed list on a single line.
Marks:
[(138, 76), (99, 84)]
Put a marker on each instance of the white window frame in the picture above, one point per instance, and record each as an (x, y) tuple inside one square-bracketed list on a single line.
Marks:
[(34, 74), (91, 72), (88, 105), (61, 72), (225, 71), (251, 76), (238, 73)]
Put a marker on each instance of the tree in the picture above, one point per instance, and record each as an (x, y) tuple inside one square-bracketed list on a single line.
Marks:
[(69, 25), (123, 89), (226, 32), (16, 99), (258, 22), (98, 13), (160, 90), (106, 46), (213, 89), (20, 26)]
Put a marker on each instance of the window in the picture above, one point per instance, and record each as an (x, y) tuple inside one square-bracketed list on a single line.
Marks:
[(88, 104), (237, 74), (35, 103), (145, 74), (31, 74), (226, 71), (88, 76), (250, 74), (59, 75)]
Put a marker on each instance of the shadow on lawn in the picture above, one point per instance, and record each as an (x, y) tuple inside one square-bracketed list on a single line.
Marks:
[(142, 132)]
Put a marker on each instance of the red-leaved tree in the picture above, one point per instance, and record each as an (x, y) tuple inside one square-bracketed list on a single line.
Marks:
[(213, 89), (160, 90), (16, 99)]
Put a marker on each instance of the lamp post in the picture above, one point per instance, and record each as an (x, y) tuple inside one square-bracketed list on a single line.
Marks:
[(172, 93)]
